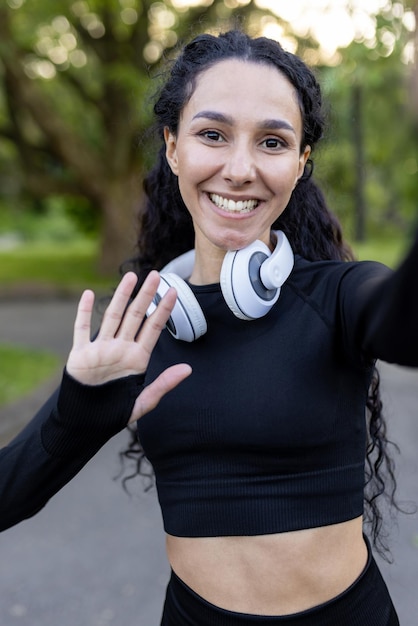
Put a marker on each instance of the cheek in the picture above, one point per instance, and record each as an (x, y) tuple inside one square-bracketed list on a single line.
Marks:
[(283, 178), (189, 163), (196, 166)]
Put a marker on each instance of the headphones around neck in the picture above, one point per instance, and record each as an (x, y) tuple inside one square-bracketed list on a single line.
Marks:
[(251, 279)]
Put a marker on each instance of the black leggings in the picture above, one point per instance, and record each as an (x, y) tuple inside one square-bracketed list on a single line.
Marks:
[(365, 603)]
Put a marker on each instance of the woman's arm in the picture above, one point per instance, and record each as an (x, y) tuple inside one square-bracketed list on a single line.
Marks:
[(381, 306), (101, 391)]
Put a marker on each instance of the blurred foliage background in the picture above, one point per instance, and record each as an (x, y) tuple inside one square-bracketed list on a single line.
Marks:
[(76, 78)]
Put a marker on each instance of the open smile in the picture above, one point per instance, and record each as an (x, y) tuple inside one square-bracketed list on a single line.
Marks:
[(231, 206)]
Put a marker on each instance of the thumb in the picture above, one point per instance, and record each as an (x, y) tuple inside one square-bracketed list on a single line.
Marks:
[(152, 394)]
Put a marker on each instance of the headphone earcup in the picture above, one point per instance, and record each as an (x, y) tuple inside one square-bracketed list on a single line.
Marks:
[(241, 283), (186, 321)]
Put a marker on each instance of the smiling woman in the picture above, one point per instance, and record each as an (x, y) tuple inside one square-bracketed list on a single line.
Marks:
[(262, 497)]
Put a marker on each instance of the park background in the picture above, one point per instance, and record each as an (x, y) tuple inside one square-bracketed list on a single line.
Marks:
[(76, 85)]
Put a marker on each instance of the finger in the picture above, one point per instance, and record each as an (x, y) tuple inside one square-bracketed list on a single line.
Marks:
[(116, 309), (155, 323), (137, 310), (82, 324), (153, 393)]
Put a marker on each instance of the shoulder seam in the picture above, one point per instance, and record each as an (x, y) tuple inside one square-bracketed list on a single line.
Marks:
[(310, 302)]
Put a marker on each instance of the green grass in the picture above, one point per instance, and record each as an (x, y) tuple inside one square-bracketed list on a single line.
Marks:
[(64, 266), (22, 370), (389, 251)]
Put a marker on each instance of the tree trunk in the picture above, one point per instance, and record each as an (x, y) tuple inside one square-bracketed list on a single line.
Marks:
[(413, 79), (119, 206)]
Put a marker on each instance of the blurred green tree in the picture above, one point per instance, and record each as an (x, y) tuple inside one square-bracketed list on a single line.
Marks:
[(76, 74), (369, 162)]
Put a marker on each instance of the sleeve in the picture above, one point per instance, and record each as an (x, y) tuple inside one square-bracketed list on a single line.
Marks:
[(380, 309), (64, 435)]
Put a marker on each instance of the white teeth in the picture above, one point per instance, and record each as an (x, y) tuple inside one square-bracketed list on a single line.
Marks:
[(242, 206)]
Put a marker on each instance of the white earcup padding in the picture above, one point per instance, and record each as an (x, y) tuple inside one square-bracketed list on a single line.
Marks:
[(241, 286), (187, 321)]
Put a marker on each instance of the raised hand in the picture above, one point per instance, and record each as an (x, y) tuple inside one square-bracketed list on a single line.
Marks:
[(119, 349)]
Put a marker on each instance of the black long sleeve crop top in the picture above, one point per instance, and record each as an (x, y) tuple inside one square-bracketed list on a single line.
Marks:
[(268, 433), (64, 435)]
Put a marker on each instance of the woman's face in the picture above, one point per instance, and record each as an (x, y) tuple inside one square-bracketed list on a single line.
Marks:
[(237, 153)]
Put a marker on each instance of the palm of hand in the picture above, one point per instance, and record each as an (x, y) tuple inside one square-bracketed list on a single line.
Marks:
[(125, 341)]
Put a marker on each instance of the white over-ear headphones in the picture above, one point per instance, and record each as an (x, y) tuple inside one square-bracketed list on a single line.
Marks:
[(251, 279)]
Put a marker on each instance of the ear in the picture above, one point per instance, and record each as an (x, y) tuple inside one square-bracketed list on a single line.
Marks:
[(304, 156), (171, 150)]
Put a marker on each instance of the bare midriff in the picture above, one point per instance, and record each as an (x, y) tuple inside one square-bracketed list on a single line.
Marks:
[(275, 574)]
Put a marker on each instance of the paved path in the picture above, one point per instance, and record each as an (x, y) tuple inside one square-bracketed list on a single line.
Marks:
[(95, 557)]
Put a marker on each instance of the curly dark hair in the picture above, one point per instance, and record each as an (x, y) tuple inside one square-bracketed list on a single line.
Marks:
[(166, 231)]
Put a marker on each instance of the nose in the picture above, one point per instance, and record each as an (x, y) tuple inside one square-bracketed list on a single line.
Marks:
[(240, 167)]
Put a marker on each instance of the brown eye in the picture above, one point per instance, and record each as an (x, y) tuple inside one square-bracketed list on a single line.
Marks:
[(272, 143), (212, 135)]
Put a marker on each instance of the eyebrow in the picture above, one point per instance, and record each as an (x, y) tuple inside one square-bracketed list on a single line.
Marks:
[(273, 124)]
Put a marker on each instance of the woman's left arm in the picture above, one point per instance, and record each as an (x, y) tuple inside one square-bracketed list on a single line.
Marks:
[(386, 319), (101, 391)]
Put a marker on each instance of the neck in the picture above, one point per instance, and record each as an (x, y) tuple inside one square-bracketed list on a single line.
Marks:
[(207, 268)]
